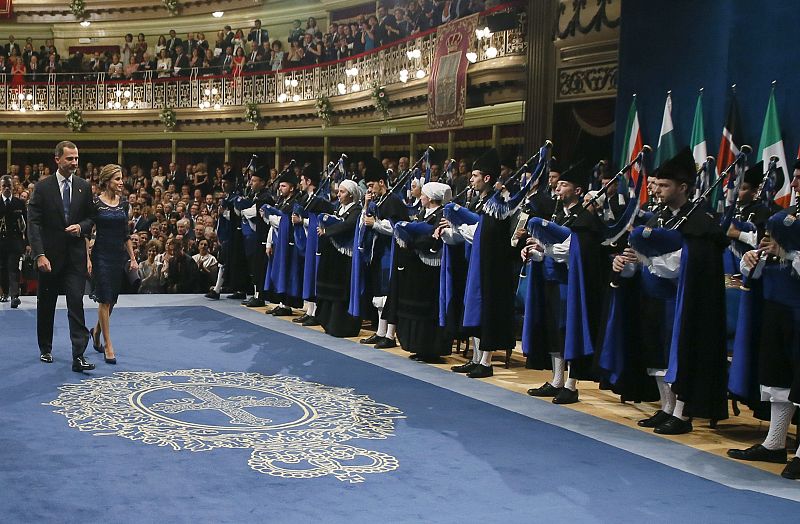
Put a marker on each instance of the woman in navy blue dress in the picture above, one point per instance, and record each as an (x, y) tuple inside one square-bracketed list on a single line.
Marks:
[(110, 254)]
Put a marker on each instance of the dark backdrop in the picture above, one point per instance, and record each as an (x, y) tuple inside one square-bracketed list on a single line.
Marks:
[(683, 45)]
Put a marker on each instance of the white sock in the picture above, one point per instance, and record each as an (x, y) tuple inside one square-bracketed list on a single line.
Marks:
[(306, 306), (390, 331), (558, 370), (779, 419), (257, 295), (486, 358), (312, 309), (477, 355), (666, 395), (218, 285), (678, 411), (381, 326)]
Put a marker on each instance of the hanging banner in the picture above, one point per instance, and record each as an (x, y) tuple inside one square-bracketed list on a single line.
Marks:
[(5, 9), (447, 87)]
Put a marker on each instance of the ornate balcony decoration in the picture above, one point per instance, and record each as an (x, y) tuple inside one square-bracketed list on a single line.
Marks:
[(575, 17), (400, 67)]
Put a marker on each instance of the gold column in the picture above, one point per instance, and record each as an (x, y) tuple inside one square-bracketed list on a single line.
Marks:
[(174, 152), (326, 150), (496, 137), (451, 144), (119, 152), (376, 146), (227, 150), (278, 154), (8, 156), (412, 147)]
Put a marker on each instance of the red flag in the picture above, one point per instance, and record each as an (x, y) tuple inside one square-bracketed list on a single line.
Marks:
[(728, 148)]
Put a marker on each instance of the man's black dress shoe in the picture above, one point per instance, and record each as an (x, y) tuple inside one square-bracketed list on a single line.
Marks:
[(253, 302), (481, 371), (792, 469), (4, 298), (302, 318), (15, 302), (237, 296), (658, 418), (674, 426), (46, 357), (566, 396), (282, 311), (546, 390), (385, 343), (310, 321), (80, 364), (464, 368), (372, 339), (213, 295), (759, 453)]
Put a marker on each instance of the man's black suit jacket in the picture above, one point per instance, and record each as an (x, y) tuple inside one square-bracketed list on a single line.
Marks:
[(46, 222)]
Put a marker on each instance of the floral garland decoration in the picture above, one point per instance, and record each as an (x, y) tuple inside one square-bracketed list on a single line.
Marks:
[(324, 110), (252, 114), (380, 100), (171, 5), (78, 8), (75, 120), (168, 118)]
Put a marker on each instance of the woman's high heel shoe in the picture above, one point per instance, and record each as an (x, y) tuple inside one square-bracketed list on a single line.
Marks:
[(112, 360), (100, 348)]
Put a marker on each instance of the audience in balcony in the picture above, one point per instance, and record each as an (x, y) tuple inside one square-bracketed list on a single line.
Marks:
[(307, 45)]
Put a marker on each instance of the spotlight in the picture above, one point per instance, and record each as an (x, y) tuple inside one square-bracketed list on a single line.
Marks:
[(85, 23), (479, 33), (420, 73), (296, 98), (491, 52), (218, 14), (127, 93), (356, 87), (282, 98), (472, 57), (217, 106), (294, 82)]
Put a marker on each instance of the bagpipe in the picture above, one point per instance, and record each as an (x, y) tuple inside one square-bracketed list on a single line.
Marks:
[(372, 208), (639, 159), (498, 207), (784, 229), (651, 242), (343, 243)]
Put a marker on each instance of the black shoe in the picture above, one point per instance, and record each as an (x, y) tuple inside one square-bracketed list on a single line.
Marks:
[(759, 453), (100, 348), (464, 368), (46, 358), (546, 390), (481, 371), (15, 302), (432, 359), (4, 298), (282, 311), (112, 361), (566, 396), (792, 470), (371, 340), (658, 418), (385, 343), (310, 321), (213, 295), (674, 426), (80, 364), (302, 318), (237, 296), (253, 302)]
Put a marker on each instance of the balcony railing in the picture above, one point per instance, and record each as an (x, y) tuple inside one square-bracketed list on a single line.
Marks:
[(381, 67)]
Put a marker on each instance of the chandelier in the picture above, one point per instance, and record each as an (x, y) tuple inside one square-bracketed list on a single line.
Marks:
[(290, 91), (484, 43), (24, 102), (211, 98), (122, 100), (416, 66)]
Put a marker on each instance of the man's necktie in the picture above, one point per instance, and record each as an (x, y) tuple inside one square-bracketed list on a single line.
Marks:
[(65, 197)]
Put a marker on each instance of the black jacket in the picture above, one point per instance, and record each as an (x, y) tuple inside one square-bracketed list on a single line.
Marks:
[(12, 225)]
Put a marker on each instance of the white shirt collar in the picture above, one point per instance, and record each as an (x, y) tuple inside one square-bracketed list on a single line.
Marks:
[(343, 209), (61, 180), (431, 210)]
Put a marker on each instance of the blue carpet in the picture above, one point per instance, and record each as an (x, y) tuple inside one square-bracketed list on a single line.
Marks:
[(458, 459)]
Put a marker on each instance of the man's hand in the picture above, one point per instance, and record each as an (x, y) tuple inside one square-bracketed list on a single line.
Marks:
[(628, 256), (74, 230), (618, 264), (88, 266), (296, 219), (269, 251), (43, 264), (134, 265), (519, 233), (320, 231), (733, 233), (367, 198), (751, 259), (369, 221)]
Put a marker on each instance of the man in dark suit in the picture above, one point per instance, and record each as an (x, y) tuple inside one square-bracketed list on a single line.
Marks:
[(60, 216), (257, 34), (12, 240), (11, 45), (181, 64), (172, 43)]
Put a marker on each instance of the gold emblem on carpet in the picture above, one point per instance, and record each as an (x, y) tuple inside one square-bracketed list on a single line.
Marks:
[(295, 428)]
